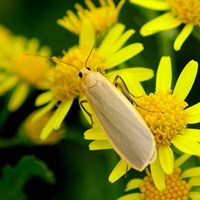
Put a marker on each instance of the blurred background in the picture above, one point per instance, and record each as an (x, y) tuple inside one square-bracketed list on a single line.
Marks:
[(80, 173)]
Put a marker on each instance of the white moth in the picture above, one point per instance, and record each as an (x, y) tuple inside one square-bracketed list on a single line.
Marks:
[(125, 128)]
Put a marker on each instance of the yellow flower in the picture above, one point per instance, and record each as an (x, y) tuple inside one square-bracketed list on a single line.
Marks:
[(168, 122), (179, 185), (177, 12), (65, 80), (102, 18), (19, 71)]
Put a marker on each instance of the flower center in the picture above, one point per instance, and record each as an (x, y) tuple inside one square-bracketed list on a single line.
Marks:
[(65, 79), (176, 188), (188, 11), (32, 69), (166, 116)]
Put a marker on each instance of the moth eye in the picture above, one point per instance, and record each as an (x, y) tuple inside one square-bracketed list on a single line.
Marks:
[(88, 68), (80, 74)]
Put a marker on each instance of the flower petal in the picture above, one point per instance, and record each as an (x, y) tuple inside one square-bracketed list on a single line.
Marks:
[(164, 74), (193, 133), (100, 145), (152, 4), (133, 184), (186, 145), (134, 196), (112, 36), (124, 54), (166, 157), (194, 114), (178, 162), (195, 181), (194, 195), (186, 80), (94, 134), (182, 36), (7, 84), (158, 174), (192, 172), (18, 96), (43, 98), (157, 24), (120, 169), (61, 112)]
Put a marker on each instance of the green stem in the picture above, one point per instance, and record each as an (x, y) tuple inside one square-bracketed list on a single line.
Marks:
[(6, 143)]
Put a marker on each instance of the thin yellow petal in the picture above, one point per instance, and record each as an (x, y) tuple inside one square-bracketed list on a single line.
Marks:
[(43, 98), (133, 184), (7, 84), (193, 133), (164, 74), (195, 181), (94, 134), (152, 4), (194, 195), (100, 145), (134, 196), (194, 114), (192, 172), (61, 112), (166, 158), (182, 36), (186, 80), (110, 39), (120, 169), (179, 161), (158, 174), (157, 25), (124, 54), (186, 145)]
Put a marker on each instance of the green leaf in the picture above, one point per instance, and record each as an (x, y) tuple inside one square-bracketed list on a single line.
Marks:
[(14, 178)]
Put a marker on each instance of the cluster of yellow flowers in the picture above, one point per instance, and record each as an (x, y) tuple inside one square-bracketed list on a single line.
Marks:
[(25, 65)]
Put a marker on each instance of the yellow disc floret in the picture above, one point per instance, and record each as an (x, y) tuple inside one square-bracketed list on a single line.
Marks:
[(64, 78), (188, 11), (165, 116), (176, 188)]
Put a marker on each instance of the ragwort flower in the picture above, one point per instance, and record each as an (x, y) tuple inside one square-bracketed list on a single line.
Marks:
[(179, 185), (168, 123), (177, 12), (102, 18), (65, 80), (19, 71)]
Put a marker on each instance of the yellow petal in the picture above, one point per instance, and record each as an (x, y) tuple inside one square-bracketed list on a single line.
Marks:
[(124, 54), (152, 4), (112, 36), (194, 114), (120, 170), (178, 162), (18, 97), (194, 195), (186, 80), (157, 24), (134, 196), (182, 36), (195, 181), (193, 133), (100, 145), (134, 183), (61, 112), (43, 98), (186, 145), (94, 134), (164, 74), (192, 172), (158, 174), (166, 157), (7, 84)]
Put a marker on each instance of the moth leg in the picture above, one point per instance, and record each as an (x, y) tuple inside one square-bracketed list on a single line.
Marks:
[(123, 87), (89, 114)]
